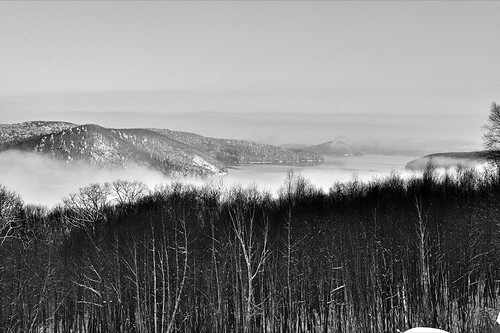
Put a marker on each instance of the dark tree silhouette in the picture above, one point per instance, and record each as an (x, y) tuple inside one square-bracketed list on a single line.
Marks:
[(364, 257), (492, 134), (10, 207)]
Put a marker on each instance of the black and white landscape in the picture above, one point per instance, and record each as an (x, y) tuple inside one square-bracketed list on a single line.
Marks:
[(241, 166)]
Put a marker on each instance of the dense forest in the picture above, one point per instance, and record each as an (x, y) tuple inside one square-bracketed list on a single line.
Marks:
[(389, 254)]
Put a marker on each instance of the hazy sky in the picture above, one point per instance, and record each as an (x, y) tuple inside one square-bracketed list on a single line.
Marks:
[(433, 59)]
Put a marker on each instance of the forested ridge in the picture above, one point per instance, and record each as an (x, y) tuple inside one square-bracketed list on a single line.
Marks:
[(364, 257), (172, 153)]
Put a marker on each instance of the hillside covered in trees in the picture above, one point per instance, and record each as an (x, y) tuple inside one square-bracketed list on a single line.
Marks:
[(364, 257), (172, 153)]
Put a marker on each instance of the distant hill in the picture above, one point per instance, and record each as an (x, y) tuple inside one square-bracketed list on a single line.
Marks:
[(12, 133), (293, 145), (369, 147), (112, 148), (447, 160), (170, 152), (332, 148)]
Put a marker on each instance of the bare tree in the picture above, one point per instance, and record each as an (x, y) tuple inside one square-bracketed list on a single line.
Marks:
[(295, 187), (491, 136), (423, 255), (87, 207), (10, 207), (127, 192), (242, 212)]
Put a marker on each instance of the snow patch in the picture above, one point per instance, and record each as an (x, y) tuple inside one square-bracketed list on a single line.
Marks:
[(197, 160)]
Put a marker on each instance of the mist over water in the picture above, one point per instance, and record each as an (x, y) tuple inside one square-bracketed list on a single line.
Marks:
[(42, 180), (334, 169)]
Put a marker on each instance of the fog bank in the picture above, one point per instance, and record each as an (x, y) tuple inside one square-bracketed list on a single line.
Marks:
[(42, 180)]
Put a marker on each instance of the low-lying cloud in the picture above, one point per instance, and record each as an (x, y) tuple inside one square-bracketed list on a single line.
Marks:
[(42, 180), (443, 162)]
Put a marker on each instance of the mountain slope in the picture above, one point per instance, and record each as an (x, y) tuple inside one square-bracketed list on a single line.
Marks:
[(127, 148), (170, 152), (12, 133), (231, 151)]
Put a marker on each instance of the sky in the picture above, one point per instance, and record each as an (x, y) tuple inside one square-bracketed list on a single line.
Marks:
[(407, 73)]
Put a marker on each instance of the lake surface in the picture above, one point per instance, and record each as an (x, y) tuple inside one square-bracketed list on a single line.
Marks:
[(334, 169)]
